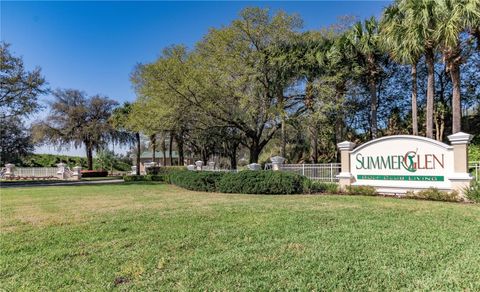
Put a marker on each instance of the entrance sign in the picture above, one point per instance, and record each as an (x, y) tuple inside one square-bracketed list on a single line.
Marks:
[(397, 164)]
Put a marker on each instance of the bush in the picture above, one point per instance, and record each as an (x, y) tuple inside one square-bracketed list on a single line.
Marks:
[(473, 192), (204, 181), (361, 190), (94, 173), (262, 182), (130, 178), (161, 170), (434, 194), (314, 186)]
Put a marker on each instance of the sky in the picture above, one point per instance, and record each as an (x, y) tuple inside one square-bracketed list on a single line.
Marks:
[(94, 46)]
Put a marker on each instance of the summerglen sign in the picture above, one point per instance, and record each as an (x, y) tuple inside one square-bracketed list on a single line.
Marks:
[(397, 164)]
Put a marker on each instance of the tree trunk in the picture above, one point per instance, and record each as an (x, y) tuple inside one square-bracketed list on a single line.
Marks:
[(314, 144), (373, 107), (153, 139), (340, 90), (139, 152), (89, 150), (254, 153), (164, 151), (233, 158), (430, 59), (180, 151), (170, 148), (284, 139), (283, 143), (414, 100), (456, 98)]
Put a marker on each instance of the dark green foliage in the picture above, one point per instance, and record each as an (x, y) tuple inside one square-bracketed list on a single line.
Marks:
[(148, 177), (51, 160), (262, 182), (314, 186), (164, 169), (120, 163), (94, 173), (434, 194), (473, 192), (204, 181), (15, 141), (361, 190)]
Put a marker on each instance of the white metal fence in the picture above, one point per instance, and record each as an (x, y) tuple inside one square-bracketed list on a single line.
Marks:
[(36, 171), (321, 171), (474, 168), (328, 171)]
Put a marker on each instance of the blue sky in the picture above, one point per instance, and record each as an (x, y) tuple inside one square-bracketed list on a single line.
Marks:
[(93, 46)]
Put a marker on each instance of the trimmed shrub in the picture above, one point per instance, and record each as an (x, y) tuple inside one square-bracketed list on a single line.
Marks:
[(361, 190), (159, 170), (434, 194), (94, 173), (473, 192), (313, 186), (261, 182), (131, 178), (204, 181)]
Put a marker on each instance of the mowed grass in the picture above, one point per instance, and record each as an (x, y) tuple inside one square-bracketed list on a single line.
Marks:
[(159, 237)]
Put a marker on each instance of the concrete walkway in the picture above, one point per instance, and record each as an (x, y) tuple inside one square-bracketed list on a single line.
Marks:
[(66, 183)]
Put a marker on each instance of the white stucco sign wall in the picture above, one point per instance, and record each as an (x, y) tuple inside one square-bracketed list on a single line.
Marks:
[(397, 164)]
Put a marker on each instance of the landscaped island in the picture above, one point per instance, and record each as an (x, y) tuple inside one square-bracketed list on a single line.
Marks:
[(160, 237)]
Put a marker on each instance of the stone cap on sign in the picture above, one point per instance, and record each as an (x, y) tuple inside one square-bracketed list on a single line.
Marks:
[(346, 146), (460, 138)]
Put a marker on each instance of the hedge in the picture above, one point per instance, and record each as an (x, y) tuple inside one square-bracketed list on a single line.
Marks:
[(434, 194), (130, 178), (94, 173), (261, 182), (162, 170), (204, 181), (314, 187)]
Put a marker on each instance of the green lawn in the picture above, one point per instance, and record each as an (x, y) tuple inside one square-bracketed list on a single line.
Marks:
[(159, 237)]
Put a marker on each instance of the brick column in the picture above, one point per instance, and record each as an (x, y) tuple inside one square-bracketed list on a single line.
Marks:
[(9, 170), (460, 178), (277, 162), (77, 173), (199, 164), (345, 177), (61, 171)]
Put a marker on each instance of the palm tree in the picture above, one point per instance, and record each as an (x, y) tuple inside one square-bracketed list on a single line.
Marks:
[(420, 16), (401, 40), (455, 17), (365, 43)]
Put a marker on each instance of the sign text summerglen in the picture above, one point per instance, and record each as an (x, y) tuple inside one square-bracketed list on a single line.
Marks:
[(410, 161)]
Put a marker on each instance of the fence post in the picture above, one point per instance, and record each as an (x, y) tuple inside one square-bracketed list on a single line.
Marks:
[(303, 169), (9, 170), (199, 164), (61, 170), (77, 173), (460, 178), (277, 161), (331, 172), (345, 177)]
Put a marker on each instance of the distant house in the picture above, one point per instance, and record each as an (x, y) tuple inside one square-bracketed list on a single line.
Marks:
[(146, 158)]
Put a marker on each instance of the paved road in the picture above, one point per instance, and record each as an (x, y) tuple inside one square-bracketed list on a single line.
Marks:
[(67, 183)]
